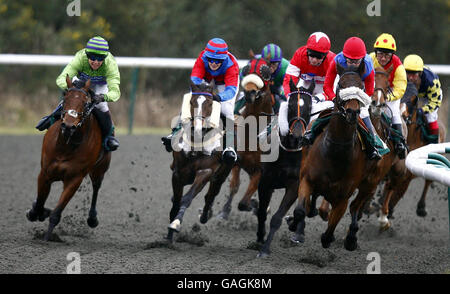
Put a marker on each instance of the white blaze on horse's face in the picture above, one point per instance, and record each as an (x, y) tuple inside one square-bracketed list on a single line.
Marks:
[(72, 113), (198, 122)]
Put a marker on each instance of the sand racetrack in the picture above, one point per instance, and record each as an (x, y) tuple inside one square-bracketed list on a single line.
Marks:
[(133, 209)]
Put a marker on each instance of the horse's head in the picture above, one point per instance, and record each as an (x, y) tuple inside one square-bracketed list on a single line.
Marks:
[(382, 87), (255, 82), (201, 105), (350, 95), (299, 108), (409, 103), (76, 107)]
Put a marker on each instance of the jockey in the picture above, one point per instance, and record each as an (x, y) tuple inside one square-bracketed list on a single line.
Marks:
[(216, 64), (96, 63), (310, 62), (278, 66), (384, 56), (353, 54), (428, 86)]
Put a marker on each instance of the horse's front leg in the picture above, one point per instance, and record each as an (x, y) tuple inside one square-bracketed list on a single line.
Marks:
[(234, 187), (277, 219), (421, 211), (214, 188), (300, 212), (70, 187), (245, 203), (97, 175), (201, 178), (38, 211), (336, 213), (178, 182)]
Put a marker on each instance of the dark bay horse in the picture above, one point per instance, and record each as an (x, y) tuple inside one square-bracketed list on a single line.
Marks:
[(196, 167), (398, 180), (284, 171), (335, 164), (71, 149), (258, 105)]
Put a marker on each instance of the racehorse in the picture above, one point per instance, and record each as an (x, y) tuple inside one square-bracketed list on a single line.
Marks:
[(197, 167), (258, 103), (71, 149), (397, 183), (284, 171), (335, 164)]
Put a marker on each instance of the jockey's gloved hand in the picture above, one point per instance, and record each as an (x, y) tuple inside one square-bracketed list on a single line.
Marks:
[(98, 98), (420, 112), (78, 84), (216, 98)]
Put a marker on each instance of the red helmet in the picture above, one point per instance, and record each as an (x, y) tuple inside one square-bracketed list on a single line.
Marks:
[(319, 42), (354, 48)]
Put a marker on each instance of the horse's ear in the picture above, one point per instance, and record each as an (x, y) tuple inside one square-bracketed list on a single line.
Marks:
[(87, 85), (251, 54), (312, 86), (193, 86), (69, 82), (340, 69), (390, 69), (292, 85), (267, 58), (362, 68)]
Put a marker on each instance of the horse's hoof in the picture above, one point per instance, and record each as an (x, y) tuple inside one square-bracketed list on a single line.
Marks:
[(175, 225), (263, 254), (223, 215), (323, 215), (313, 212), (326, 241), (384, 227), (254, 203), (421, 211), (45, 214), (350, 243), (31, 215), (244, 207), (298, 238), (92, 222)]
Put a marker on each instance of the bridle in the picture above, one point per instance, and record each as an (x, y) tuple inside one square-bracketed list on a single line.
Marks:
[(87, 109), (298, 117)]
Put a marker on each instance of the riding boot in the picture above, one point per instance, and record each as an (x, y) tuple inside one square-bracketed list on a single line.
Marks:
[(229, 155), (316, 129), (400, 148), (48, 120), (167, 140), (110, 143), (372, 151)]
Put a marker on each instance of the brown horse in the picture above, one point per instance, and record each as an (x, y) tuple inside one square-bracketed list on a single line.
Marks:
[(196, 165), (335, 165), (398, 180), (72, 148), (258, 104)]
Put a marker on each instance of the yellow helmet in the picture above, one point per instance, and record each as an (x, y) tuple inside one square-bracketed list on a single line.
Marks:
[(413, 62), (385, 41)]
